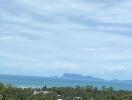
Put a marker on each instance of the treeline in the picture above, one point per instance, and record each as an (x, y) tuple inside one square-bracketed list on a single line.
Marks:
[(8, 92)]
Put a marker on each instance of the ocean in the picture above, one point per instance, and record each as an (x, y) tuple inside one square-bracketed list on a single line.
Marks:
[(36, 82)]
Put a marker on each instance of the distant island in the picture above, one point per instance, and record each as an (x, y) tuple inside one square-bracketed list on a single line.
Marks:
[(72, 76), (66, 80)]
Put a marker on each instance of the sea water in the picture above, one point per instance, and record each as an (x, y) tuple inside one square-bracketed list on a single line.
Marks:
[(35, 82)]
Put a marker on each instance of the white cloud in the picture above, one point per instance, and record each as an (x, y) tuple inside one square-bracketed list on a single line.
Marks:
[(70, 35)]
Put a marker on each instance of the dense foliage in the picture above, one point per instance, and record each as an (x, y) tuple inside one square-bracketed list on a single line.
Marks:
[(7, 92)]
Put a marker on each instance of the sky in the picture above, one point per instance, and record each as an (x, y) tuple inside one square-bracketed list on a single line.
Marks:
[(52, 37)]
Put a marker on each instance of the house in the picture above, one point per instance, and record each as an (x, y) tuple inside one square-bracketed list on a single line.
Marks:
[(59, 97), (44, 92)]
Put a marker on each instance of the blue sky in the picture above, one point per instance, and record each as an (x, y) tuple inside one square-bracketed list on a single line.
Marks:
[(52, 37)]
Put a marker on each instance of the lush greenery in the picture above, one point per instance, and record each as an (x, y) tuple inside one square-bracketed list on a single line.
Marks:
[(7, 92)]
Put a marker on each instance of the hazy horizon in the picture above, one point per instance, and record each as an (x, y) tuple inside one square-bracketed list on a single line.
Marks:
[(64, 74), (52, 37)]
